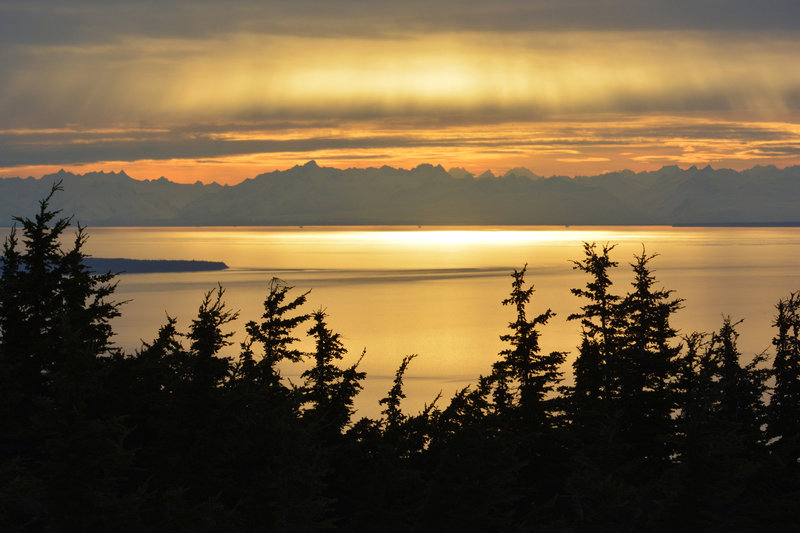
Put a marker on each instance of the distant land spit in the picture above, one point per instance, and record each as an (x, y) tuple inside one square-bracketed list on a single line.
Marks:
[(150, 266), (426, 195)]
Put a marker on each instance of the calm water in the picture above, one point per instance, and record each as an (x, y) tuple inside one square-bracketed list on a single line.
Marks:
[(437, 292)]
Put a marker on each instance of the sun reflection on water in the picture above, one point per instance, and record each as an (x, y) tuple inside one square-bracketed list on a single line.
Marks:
[(465, 236)]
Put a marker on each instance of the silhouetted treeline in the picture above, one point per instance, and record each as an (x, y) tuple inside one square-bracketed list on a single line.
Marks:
[(657, 433)]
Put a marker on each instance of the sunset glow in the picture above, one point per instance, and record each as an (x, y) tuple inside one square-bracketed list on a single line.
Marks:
[(221, 94), (567, 147)]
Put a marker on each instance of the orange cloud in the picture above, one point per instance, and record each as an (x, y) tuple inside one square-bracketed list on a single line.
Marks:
[(571, 145)]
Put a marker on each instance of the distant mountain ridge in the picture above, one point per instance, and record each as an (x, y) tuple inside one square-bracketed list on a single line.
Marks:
[(427, 194)]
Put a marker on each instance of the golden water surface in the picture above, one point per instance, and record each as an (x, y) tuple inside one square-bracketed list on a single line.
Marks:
[(437, 291)]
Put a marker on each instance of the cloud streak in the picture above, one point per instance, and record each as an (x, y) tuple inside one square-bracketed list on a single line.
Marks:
[(91, 21), (579, 146)]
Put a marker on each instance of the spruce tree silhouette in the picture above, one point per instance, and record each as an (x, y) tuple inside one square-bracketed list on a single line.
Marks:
[(330, 389), (784, 407), (54, 312), (536, 376), (596, 364), (60, 454), (719, 439), (205, 368), (647, 364), (393, 415), (274, 333)]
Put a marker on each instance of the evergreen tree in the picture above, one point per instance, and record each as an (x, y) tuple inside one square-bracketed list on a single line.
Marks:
[(274, 334), (283, 466), (594, 486), (205, 368), (393, 416), (720, 442), (54, 312), (535, 375), (470, 409), (784, 407), (330, 389), (64, 453), (647, 363), (162, 359), (743, 387), (622, 402), (596, 368)]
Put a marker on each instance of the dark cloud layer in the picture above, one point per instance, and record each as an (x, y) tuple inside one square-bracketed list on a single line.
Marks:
[(81, 21)]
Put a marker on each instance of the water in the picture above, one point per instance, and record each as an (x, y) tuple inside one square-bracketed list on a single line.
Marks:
[(437, 291)]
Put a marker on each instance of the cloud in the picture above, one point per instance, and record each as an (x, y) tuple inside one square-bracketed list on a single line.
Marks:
[(583, 159), (88, 81), (578, 140), (250, 77), (91, 21)]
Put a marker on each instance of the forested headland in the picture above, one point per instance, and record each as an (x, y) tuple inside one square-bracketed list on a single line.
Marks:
[(656, 432)]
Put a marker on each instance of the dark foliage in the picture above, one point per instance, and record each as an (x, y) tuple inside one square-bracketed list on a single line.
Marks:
[(656, 434)]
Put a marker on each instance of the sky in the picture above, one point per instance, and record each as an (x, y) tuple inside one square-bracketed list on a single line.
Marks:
[(221, 91)]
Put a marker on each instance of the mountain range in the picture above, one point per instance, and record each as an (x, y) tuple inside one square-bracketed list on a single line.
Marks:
[(430, 195)]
